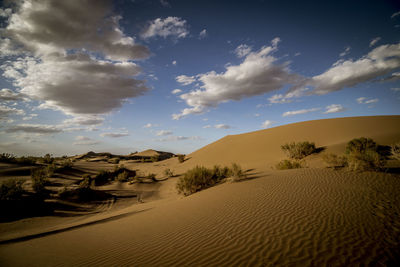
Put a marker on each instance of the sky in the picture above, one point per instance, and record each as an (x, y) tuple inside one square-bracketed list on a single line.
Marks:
[(124, 76)]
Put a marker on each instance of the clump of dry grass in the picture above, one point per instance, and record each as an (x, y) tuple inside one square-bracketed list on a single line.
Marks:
[(287, 164), (299, 150)]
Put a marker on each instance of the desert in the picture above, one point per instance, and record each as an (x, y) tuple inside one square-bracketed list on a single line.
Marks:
[(312, 215)]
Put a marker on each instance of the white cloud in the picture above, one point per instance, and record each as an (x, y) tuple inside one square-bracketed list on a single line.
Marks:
[(257, 115), (256, 75), (266, 124), (9, 95), (31, 116), (297, 112), (164, 133), (114, 135), (297, 54), (287, 98), (222, 126), (176, 91), (395, 89), (34, 128), (84, 120), (395, 14), (53, 44), (174, 62), (345, 52), (6, 111), (149, 125), (365, 100), (203, 34), (185, 80), (242, 50), (334, 108), (5, 13), (207, 126), (179, 138), (380, 61), (170, 26), (84, 140), (374, 41)]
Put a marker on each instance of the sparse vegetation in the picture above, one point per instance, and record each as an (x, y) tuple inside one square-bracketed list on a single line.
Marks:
[(114, 160), (200, 177), (122, 177), (168, 173), (11, 189), (39, 180), (395, 149), (363, 154), (9, 158), (181, 158), (335, 161), (288, 164), (86, 182), (155, 158), (299, 150)]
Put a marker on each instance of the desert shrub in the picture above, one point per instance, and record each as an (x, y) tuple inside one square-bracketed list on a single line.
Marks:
[(236, 172), (288, 164), (7, 158), (168, 173), (395, 149), (299, 150), (334, 161), (25, 160), (102, 177), (122, 177), (155, 158), (48, 159), (114, 160), (363, 154), (11, 189), (65, 164), (86, 182), (181, 158), (366, 161), (49, 170), (39, 180), (199, 178), (361, 145)]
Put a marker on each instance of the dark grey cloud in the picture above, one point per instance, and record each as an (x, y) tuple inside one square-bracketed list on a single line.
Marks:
[(34, 128)]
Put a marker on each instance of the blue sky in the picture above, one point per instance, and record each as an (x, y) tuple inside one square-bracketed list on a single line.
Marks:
[(124, 76)]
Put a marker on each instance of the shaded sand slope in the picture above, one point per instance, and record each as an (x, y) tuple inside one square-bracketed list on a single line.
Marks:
[(262, 147), (314, 217)]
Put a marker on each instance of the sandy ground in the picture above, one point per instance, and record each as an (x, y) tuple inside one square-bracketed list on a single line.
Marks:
[(304, 217)]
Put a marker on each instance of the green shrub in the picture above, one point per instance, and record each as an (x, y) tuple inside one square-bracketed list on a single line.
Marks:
[(181, 158), (395, 149), (288, 164), (334, 161), (168, 173), (39, 180), (299, 150), (11, 189)]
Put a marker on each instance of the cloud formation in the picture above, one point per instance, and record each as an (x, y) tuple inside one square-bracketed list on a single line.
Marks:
[(334, 108), (84, 120), (169, 27), (222, 126), (374, 41), (365, 100), (185, 80), (242, 50), (115, 135), (58, 65), (259, 73), (176, 91), (345, 52), (84, 140), (164, 133), (9, 95), (348, 73), (203, 34), (266, 124), (34, 128), (174, 138), (5, 111), (298, 112)]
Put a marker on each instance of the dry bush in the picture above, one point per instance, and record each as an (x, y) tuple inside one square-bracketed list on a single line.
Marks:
[(181, 158), (299, 150), (335, 161), (11, 189), (39, 180), (288, 164), (395, 149), (363, 155), (168, 173)]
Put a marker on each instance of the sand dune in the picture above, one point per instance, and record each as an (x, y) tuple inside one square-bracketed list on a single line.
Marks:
[(304, 217)]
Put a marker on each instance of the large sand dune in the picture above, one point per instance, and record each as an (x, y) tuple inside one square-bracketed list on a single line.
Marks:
[(304, 217)]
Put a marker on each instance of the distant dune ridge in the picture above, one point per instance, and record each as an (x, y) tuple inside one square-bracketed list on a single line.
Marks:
[(303, 217)]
